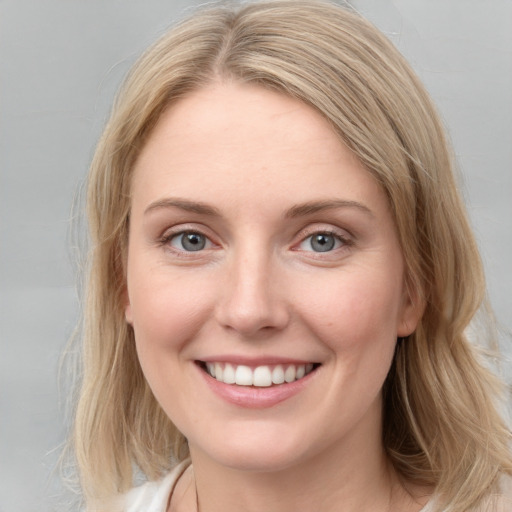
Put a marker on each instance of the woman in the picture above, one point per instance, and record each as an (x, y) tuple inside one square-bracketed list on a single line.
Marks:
[(281, 277)]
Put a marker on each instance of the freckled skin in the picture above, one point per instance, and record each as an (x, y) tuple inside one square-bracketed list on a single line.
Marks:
[(258, 287)]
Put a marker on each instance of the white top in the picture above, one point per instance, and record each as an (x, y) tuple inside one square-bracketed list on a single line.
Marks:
[(155, 496)]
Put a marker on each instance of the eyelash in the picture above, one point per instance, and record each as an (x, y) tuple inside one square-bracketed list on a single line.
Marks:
[(345, 241), (168, 237)]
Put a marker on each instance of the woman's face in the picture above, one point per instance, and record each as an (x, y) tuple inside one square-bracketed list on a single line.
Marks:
[(261, 251)]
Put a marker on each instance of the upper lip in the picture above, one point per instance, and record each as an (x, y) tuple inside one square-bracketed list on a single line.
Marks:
[(254, 361)]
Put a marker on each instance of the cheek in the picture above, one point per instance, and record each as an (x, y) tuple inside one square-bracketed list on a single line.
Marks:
[(353, 310), (167, 310)]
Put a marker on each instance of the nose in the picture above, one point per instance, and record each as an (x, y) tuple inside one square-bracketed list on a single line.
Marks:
[(251, 300)]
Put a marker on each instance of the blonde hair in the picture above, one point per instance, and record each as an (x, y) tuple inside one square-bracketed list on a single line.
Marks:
[(441, 426)]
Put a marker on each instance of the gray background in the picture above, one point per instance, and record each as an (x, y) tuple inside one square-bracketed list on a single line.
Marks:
[(60, 63)]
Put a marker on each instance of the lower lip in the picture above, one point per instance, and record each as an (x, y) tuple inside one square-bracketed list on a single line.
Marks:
[(252, 397)]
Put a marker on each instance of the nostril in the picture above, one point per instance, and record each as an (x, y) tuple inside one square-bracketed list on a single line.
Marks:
[(251, 302)]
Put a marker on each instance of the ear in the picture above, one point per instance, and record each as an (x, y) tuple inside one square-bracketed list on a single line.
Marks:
[(125, 297), (128, 314), (412, 309), (127, 305)]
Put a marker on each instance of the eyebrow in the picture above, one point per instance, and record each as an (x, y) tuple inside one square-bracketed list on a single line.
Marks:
[(299, 210), (183, 204), (312, 207)]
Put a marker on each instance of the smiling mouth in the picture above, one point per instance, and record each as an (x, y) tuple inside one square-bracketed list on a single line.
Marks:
[(259, 376)]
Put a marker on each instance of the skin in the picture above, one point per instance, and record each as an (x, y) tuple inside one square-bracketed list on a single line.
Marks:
[(259, 289)]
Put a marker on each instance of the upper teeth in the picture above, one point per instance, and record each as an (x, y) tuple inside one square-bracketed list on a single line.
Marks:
[(261, 376)]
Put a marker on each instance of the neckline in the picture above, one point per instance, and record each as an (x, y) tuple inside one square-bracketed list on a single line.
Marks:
[(171, 481)]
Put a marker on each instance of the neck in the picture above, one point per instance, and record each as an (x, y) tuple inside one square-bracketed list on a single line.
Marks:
[(294, 489), (354, 474)]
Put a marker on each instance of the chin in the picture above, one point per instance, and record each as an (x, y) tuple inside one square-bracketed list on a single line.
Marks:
[(253, 453)]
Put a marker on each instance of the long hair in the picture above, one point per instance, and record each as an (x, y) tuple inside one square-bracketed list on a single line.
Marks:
[(440, 422)]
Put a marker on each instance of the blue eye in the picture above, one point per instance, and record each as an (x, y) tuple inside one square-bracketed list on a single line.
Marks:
[(321, 242), (190, 241)]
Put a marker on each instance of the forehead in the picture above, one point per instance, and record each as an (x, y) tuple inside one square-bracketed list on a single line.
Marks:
[(230, 138)]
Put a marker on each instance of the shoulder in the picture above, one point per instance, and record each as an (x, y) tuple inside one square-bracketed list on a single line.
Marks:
[(153, 496), (497, 503), (504, 500), (500, 501)]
